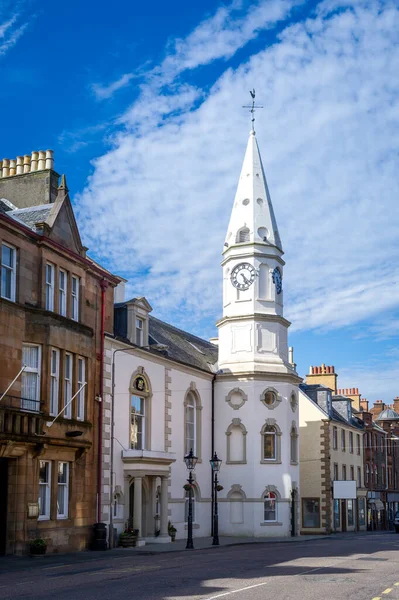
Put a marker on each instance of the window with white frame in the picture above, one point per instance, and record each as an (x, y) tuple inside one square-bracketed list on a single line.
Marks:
[(139, 332), (187, 504), (31, 359), (137, 423), (8, 272), (351, 442), (343, 472), (343, 440), (358, 443), (352, 473), (269, 443), (62, 490), (190, 424), (81, 395), (68, 368), (54, 381), (44, 489), (50, 286), (62, 293), (75, 297), (270, 507), (336, 476)]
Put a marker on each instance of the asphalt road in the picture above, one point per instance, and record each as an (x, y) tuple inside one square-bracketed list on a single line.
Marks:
[(361, 567)]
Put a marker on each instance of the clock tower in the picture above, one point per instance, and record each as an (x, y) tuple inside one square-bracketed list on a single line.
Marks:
[(256, 387), (253, 331)]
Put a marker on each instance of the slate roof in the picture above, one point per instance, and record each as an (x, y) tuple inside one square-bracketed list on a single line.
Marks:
[(183, 346), (171, 342), (31, 215), (388, 415)]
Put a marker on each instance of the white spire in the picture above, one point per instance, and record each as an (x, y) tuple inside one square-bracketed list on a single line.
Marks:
[(252, 219)]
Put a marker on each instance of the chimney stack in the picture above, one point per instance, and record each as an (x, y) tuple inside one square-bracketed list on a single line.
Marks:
[(396, 404), (323, 375), (364, 405), (34, 162)]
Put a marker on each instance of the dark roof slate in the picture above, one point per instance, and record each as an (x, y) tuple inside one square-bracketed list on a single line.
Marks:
[(183, 346), (32, 215)]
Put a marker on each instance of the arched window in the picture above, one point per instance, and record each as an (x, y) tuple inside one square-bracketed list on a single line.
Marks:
[(269, 443), (236, 497), (271, 435), (139, 412), (192, 421), (294, 444), (236, 443), (270, 506), (190, 424), (243, 235)]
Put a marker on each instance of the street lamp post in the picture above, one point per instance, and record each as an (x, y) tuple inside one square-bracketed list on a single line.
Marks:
[(215, 464), (190, 461)]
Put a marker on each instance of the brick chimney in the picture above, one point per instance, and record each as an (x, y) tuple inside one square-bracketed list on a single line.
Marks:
[(396, 404), (364, 405), (323, 375), (366, 418), (353, 394), (378, 407)]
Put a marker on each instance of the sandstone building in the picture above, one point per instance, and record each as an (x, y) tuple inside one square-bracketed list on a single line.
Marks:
[(55, 304)]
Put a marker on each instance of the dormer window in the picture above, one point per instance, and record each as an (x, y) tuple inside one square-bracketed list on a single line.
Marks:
[(139, 332)]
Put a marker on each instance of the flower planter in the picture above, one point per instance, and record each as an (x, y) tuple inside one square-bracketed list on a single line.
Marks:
[(128, 540)]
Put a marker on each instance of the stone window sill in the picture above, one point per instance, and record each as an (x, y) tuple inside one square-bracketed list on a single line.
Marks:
[(269, 523), (270, 462), (236, 462)]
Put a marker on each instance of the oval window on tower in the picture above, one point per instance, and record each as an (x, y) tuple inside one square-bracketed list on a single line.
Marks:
[(263, 233), (259, 201), (245, 202)]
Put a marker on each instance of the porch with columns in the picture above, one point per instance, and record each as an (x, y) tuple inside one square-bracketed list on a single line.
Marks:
[(146, 479)]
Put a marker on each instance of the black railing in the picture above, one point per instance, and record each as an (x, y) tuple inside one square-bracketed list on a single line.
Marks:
[(20, 404)]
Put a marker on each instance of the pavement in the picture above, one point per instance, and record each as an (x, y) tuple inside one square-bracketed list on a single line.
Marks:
[(359, 566)]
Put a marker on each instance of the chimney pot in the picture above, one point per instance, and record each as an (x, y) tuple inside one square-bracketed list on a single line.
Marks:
[(27, 163), (6, 167), (49, 159), (33, 161), (13, 167), (41, 165), (20, 165)]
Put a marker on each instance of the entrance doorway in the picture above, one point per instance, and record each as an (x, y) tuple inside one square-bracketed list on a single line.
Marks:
[(144, 527), (343, 515), (3, 504)]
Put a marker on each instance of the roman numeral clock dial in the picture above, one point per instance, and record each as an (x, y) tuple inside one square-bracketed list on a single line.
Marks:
[(243, 276)]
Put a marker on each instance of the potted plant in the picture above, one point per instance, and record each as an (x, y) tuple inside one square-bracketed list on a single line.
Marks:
[(172, 531), (128, 538), (38, 547)]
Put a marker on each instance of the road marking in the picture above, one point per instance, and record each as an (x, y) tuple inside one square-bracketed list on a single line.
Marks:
[(249, 587), (57, 567), (387, 591), (24, 582), (378, 598), (395, 584)]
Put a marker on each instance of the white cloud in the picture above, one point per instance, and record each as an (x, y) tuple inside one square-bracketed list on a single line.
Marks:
[(10, 32), (103, 92), (372, 385), (328, 135)]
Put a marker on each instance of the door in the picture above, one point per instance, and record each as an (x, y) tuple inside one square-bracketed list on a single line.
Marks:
[(3, 503), (343, 515)]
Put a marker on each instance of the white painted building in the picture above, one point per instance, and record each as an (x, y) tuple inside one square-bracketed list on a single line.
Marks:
[(239, 396)]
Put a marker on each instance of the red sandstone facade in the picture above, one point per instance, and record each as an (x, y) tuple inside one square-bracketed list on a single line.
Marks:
[(51, 300)]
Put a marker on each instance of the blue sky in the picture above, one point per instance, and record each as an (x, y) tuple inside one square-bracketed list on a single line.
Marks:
[(142, 106)]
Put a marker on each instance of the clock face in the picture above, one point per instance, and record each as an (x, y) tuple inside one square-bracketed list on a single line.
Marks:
[(278, 280), (242, 276)]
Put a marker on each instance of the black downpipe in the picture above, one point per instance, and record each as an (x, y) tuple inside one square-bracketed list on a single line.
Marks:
[(212, 451)]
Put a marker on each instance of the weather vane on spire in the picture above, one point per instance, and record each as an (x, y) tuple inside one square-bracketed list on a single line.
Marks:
[(252, 107)]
